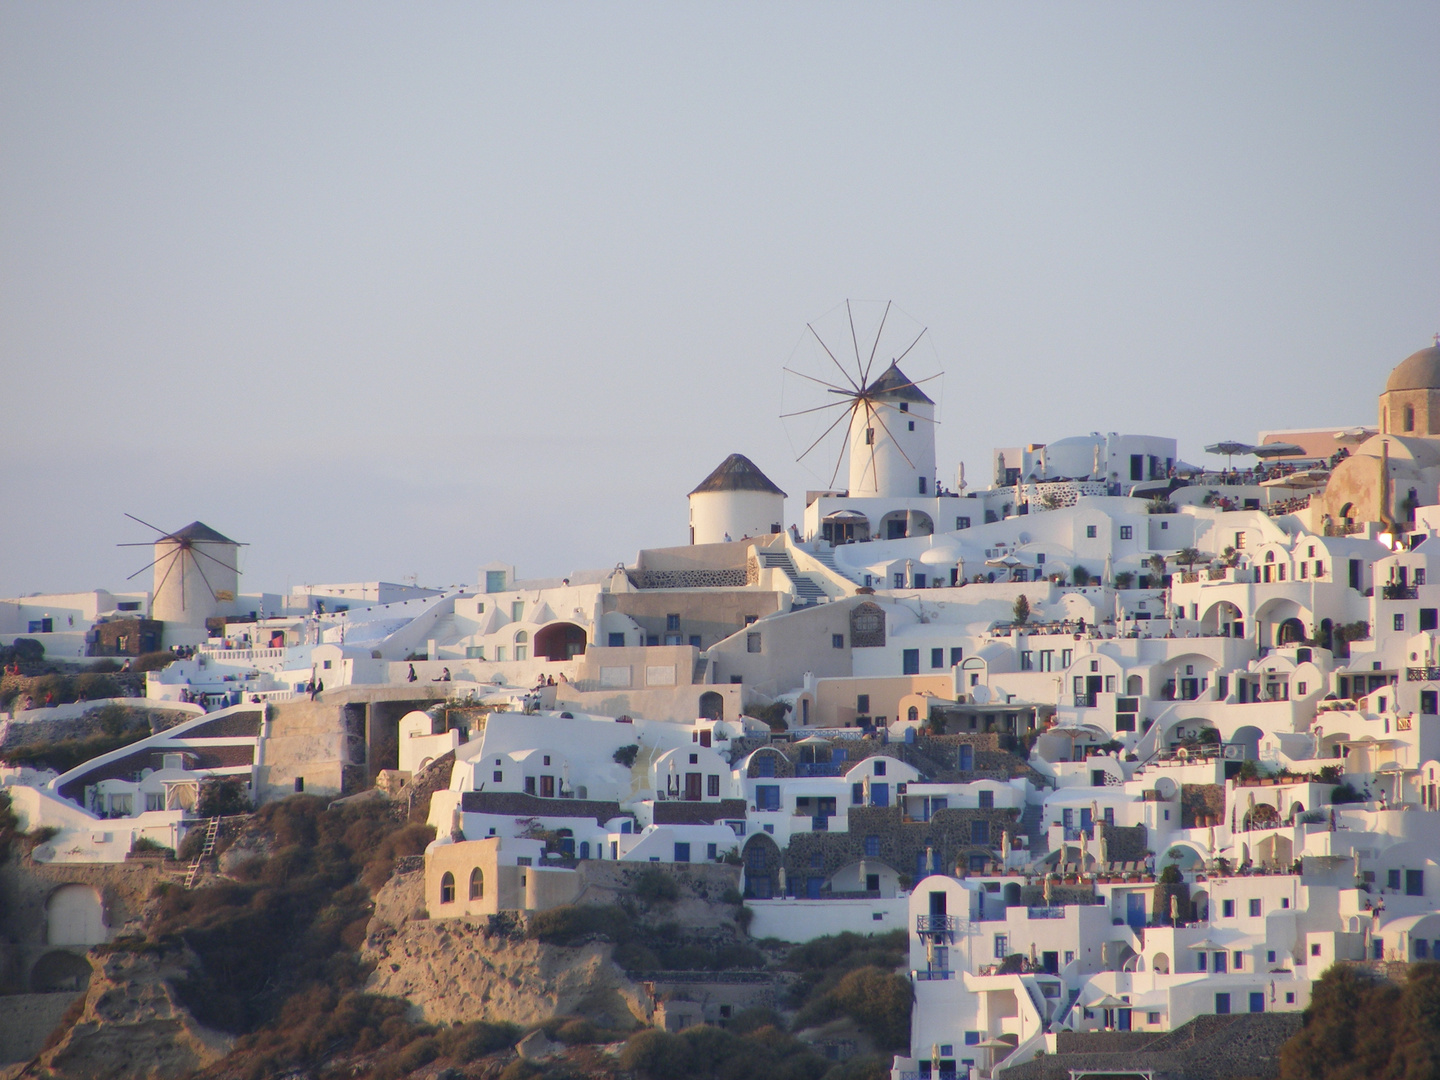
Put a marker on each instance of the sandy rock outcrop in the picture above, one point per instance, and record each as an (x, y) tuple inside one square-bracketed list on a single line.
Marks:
[(134, 1025), (452, 970)]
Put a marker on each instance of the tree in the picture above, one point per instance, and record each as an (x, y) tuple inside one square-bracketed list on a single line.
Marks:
[(1022, 610), (223, 798), (1124, 579), (1188, 556), (1080, 575)]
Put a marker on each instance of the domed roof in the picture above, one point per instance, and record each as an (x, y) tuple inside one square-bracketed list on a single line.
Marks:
[(1418, 371), (737, 473)]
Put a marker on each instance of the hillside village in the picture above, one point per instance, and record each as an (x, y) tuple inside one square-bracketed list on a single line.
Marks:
[(1120, 754)]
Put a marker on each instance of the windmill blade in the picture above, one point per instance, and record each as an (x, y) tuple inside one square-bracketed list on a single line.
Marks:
[(827, 431), (915, 382), (883, 317), (183, 548), (893, 439), (822, 382), (212, 558), (203, 578), (147, 524), (874, 470), (147, 566), (817, 408), (910, 346), (832, 357), (845, 442), (166, 576), (855, 342)]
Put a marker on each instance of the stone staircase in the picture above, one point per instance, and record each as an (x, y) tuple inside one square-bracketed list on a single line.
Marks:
[(807, 589), (1032, 824)]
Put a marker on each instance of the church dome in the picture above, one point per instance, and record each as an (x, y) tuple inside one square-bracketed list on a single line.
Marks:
[(1419, 371)]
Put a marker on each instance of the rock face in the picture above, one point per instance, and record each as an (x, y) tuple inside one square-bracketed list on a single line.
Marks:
[(133, 1025), (451, 970)]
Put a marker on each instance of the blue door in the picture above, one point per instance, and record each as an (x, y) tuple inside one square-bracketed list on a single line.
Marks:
[(1086, 820), (1135, 910), (879, 794), (1257, 1002), (1122, 1019), (812, 887), (967, 757)]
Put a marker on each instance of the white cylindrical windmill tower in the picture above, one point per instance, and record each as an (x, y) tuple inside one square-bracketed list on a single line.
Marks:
[(735, 501), (196, 576), (892, 439)]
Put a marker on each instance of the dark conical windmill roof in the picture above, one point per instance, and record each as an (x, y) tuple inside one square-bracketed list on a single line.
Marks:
[(737, 473), (197, 532), (894, 383)]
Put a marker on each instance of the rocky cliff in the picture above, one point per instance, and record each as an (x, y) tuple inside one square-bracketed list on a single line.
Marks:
[(457, 970)]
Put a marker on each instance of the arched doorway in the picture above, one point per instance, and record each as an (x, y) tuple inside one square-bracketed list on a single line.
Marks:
[(59, 971), (74, 915), (712, 706), (559, 641), (762, 867), (1290, 632)]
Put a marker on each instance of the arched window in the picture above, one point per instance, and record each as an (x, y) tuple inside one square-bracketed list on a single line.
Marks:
[(477, 884), (913, 714), (447, 888), (522, 648), (1269, 556), (1409, 417), (521, 637)]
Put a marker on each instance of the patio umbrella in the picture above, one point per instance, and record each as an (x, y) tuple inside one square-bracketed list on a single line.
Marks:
[(1049, 888), (1228, 448), (1276, 449), (1354, 435)]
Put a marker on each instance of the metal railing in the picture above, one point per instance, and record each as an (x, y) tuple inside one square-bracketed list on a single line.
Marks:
[(937, 924), (1399, 592), (1422, 674)]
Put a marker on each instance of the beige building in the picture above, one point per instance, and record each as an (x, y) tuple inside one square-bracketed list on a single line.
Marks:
[(467, 879)]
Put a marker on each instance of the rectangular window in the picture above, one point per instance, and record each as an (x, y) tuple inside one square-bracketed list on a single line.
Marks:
[(154, 800), (987, 800), (956, 655), (1428, 618), (615, 640), (712, 786), (1002, 946), (767, 797), (1090, 532), (1392, 879), (1067, 657), (1127, 532), (879, 768), (499, 777), (1152, 1018), (752, 642), (501, 654), (712, 852), (529, 785), (695, 641), (1237, 960), (1270, 956), (1199, 961), (962, 523), (980, 832), (1027, 660), (899, 578), (837, 641), (1414, 882), (1047, 660), (547, 787), (682, 852), (857, 794), (922, 479), (910, 662), (672, 622), (1257, 1001), (872, 847), (1227, 909), (1254, 909), (1399, 620), (937, 658), (517, 610), (862, 703), (1429, 702)]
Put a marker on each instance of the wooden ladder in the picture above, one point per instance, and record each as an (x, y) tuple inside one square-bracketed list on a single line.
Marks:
[(212, 830)]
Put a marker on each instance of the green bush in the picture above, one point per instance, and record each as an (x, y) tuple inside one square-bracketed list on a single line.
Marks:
[(879, 1001), (466, 1042), (578, 1032), (1345, 793), (1080, 576), (655, 886), (223, 797), (657, 1055), (152, 661), (626, 755), (569, 924), (92, 687), (146, 846)]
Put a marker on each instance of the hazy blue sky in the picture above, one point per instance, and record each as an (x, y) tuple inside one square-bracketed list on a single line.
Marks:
[(394, 289)]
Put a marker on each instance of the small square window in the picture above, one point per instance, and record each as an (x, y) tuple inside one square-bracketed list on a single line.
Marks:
[(499, 776), (1289, 997), (1285, 901), (752, 643), (1314, 950), (1270, 956), (1090, 532), (1127, 532), (1254, 909), (879, 768), (1227, 909), (837, 641), (1399, 620)]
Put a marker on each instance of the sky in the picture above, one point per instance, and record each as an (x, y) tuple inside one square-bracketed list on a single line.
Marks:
[(391, 290)]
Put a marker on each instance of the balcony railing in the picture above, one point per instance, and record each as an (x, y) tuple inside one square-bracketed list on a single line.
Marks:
[(1045, 913), (1085, 701), (934, 975), (937, 924), (1422, 674), (820, 768), (1399, 592)]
